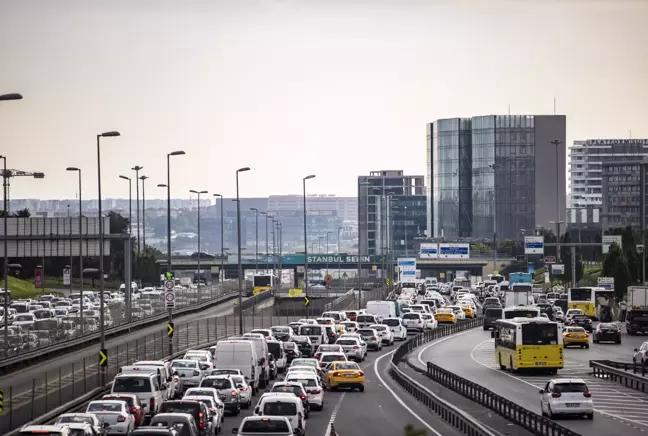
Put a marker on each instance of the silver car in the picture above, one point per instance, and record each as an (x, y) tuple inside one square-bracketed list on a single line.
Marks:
[(355, 349), (227, 391), (372, 338), (115, 415), (189, 371)]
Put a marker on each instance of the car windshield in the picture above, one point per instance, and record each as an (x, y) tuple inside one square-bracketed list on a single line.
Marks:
[(347, 342), (75, 419), (608, 327), (180, 364), (132, 384), (279, 408), (304, 362), (333, 357), (310, 330), (563, 388), (265, 426), (391, 322), (181, 407), (128, 400), (297, 390), (366, 318), (216, 383), (104, 407), (348, 365), (25, 318), (198, 357), (280, 330), (223, 371), (303, 381), (411, 316), (575, 330)]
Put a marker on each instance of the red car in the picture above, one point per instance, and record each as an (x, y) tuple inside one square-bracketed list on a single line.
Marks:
[(351, 314), (134, 405)]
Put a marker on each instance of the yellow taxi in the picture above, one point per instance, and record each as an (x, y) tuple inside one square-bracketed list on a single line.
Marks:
[(343, 375), (575, 336), (469, 310), (340, 329), (445, 315)]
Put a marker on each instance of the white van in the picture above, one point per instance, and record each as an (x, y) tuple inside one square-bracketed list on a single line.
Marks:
[(337, 316), (145, 386), (316, 333), (261, 347), (277, 350), (382, 309), (160, 373), (241, 355), (165, 367), (367, 319), (289, 406)]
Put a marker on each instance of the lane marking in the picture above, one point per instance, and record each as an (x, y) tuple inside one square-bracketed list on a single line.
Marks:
[(438, 341), (472, 356), (334, 414), (397, 397)]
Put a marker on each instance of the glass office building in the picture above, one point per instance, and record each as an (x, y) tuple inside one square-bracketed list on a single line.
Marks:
[(495, 174), (407, 215)]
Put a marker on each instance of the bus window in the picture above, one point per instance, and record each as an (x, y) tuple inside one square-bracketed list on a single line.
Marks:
[(581, 294), (539, 334)]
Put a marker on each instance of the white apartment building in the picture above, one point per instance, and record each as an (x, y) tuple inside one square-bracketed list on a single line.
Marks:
[(585, 166)]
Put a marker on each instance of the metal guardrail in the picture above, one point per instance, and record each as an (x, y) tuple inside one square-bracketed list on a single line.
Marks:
[(619, 372), (12, 363), (448, 412), (519, 415), (254, 300)]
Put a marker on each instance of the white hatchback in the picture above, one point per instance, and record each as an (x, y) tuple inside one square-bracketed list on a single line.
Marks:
[(566, 396)]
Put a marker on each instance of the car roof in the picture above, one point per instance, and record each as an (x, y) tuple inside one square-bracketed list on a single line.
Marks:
[(567, 380)]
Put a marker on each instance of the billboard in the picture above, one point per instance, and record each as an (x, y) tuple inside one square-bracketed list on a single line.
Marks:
[(454, 251), (406, 269), (608, 240), (534, 245), (429, 251)]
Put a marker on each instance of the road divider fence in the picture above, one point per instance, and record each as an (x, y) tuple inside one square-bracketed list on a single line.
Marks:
[(630, 375), (519, 415)]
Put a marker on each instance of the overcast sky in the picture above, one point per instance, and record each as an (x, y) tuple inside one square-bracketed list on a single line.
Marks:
[(337, 88)]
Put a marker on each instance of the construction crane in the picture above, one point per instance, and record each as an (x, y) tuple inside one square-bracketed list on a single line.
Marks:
[(6, 176)]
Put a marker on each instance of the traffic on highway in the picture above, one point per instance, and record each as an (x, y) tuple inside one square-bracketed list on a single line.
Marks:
[(285, 379)]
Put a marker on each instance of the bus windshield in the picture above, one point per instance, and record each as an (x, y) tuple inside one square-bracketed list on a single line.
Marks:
[(521, 313), (539, 334), (262, 281), (580, 294)]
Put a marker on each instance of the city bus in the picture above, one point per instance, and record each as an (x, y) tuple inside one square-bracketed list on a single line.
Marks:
[(528, 344), (263, 282), (584, 299), (521, 312)]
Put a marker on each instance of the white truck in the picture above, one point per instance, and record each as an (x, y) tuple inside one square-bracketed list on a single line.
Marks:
[(637, 296)]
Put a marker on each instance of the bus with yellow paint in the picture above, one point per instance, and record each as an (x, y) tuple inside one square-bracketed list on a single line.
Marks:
[(263, 282), (529, 344), (583, 298)]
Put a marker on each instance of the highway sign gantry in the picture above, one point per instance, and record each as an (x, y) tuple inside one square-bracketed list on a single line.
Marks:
[(103, 357)]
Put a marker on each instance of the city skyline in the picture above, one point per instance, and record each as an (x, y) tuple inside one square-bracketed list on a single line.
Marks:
[(273, 66)]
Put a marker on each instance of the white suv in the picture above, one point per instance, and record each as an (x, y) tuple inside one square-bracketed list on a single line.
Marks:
[(414, 322), (398, 329), (566, 396)]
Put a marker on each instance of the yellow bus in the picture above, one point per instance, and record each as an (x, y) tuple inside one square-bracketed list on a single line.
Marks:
[(263, 282), (528, 344), (584, 299)]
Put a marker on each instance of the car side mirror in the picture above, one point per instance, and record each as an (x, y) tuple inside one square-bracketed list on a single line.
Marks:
[(239, 386), (175, 373), (636, 350), (541, 391), (235, 430)]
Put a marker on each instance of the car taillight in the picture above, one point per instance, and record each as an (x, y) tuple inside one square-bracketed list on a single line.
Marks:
[(361, 374), (121, 418), (555, 395), (243, 388), (336, 374), (133, 409), (234, 393), (303, 397), (317, 355), (373, 338), (587, 395), (355, 347), (202, 425), (196, 373), (152, 404)]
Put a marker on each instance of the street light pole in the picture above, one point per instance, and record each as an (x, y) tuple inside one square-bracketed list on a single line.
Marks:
[(256, 233), (265, 260), (327, 251), (143, 179), (102, 335), (406, 247), (338, 253), (137, 169), (557, 142), (169, 265), (78, 170), (222, 224), (130, 202), (238, 235), (198, 194)]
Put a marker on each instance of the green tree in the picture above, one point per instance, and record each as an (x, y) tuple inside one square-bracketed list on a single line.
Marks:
[(411, 431), (148, 270), (22, 213), (616, 265)]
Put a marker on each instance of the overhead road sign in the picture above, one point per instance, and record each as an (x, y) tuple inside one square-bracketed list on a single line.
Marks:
[(170, 330), (454, 251), (606, 283), (103, 357), (534, 245), (557, 269), (429, 251)]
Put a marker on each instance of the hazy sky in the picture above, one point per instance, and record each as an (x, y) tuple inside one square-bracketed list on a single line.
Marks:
[(292, 87)]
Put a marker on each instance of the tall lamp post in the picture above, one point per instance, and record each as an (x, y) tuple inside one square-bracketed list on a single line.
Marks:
[(267, 250), (137, 169), (6, 97), (78, 170), (193, 191), (256, 233), (102, 335), (222, 225), (557, 143), (338, 253), (238, 237), (327, 251), (312, 176), (143, 179), (168, 187)]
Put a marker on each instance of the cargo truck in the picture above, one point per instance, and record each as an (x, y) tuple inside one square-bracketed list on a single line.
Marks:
[(637, 317)]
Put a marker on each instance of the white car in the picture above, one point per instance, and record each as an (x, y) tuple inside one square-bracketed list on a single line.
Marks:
[(571, 313), (115, 414), (398, 329), (566, 396), (414, 322), (640, 356), (558, 314), (350, 326), (245, 391), (81, 418), (458, 312), (430, 322), (386, 336), (313, 388)]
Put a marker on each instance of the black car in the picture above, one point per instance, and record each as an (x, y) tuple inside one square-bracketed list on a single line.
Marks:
[(607, 332), (582, 321), (292, 351), (194, 408), (304, 344), (492, 314)]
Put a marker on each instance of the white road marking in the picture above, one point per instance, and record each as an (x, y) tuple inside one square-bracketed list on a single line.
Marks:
[(397, 397), (334, 414)]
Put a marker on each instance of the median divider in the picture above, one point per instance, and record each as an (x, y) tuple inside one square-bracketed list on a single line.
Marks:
[(14, 363), (630, 375), (519, 415), (451, 414)]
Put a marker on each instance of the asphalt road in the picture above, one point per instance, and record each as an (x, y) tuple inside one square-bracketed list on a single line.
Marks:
[(617, 409)]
